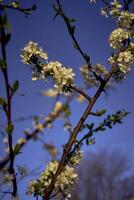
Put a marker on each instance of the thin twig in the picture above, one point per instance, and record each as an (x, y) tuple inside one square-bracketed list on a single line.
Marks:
[(24, 10), (84, 55), (8, 113), (80, 91)]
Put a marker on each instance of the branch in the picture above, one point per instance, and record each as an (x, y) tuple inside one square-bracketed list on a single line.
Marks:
[(80, 91), (76, 44), (24, 10), (62, 14), (75, 132), (8, 111)]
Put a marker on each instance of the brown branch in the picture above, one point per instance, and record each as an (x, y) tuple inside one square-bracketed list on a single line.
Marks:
[(80, 91), (8, 111), (48, 191)]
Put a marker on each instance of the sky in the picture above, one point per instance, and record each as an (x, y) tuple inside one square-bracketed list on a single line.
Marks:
[(92, 32)]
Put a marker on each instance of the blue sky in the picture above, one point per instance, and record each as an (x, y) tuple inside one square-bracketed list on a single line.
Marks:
[(92, 32)]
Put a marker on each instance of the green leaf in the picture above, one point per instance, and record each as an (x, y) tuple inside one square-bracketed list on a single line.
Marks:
[(10, 128), (15, 86), (90, 141), (2, 64), (75, 46), (17, 149), (2, 101), (70, 20), (101, 112), (90, 126)]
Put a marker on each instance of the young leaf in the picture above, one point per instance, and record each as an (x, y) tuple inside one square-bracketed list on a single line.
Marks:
[(3, 103), (15, 86), (2, 64), (10, 128), (17, 149), (101, 112)]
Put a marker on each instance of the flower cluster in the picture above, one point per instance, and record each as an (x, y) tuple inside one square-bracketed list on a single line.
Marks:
[(126, 19), (121, 40), (88, 74), (64, 181), (118, 37), (115, 8), (7, 178), (76, 158), (63, 77), (124, 60), (32, 51)]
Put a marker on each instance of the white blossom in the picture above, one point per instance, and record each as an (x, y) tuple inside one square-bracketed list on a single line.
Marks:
[(5, 140), (126, 19), (32, 49), (76, 158), (88, 74), (103, 12), (7, 178), (39, 126), (115, 8), (50, 93), (58, 106), (64, 181), (21, 141), (117, 37), (62, 76), (124, 60), (14, 4)]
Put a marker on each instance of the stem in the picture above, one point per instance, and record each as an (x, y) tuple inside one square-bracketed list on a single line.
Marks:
[(8, 111), (24, 10), (72, 35), (80, 91), (48, 191), (85, 57)]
